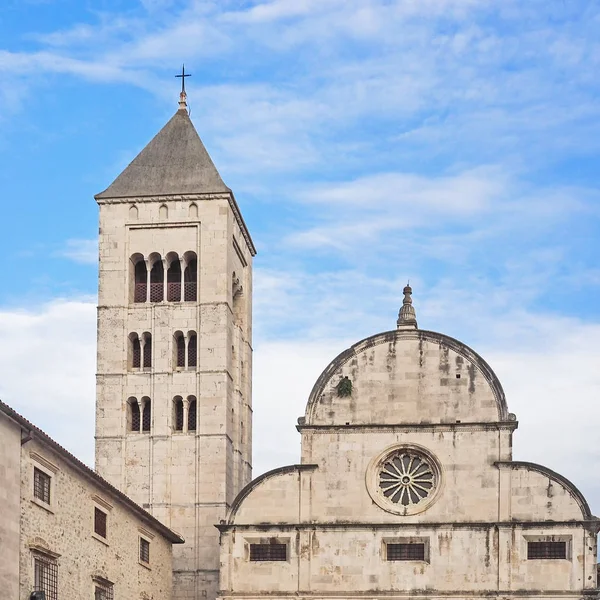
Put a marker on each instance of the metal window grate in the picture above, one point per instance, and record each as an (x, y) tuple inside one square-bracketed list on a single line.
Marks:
[(46, 577), (410, 551), (41, 485), (178, 414), (174, 292), (136, 358), (135, 415), (260, 552), (192, 415), (180, 351), (140, 292), (103, 592), (147, 352), (157, 292), (146, 416), (190, 291), (144, 550), (99, 522), (192, 351), (550, 550)]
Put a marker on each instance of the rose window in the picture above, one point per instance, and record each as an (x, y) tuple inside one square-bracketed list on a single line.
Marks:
[(406, 478)]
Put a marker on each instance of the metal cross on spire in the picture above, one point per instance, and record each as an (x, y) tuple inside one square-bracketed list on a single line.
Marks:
[(183, 76)]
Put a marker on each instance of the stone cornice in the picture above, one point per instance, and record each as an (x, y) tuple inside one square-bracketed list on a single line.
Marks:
[(408, 427)]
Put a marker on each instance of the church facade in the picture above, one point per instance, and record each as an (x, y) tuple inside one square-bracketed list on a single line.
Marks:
[(407, 488)]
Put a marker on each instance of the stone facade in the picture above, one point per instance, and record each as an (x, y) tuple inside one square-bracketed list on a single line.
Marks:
[(407, 488), (174, 432), (58, 540)]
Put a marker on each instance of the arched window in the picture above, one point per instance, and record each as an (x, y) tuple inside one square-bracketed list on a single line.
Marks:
[(157, 279), (147, 414), (192, 413), (178, 413), (173, 278), (179, 349), (163, 211), (133, 212), (193, 212), (147, 339), (192, 349), (140, 278), (133, 414), (135, 349), (190, 277)]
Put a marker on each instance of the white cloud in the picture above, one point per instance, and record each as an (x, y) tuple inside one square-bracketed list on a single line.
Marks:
[(80, 251)]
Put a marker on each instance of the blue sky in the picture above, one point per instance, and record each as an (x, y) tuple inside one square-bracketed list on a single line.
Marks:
[(452, 142)]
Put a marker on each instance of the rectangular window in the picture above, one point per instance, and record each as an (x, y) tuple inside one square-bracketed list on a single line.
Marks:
[(99, 522), (546, 550), (405, 551), (46, 577), (259, 552), (103, 591), (144, 551), (41, 485)]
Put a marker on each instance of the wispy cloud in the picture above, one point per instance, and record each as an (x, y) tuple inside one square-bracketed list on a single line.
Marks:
[(80, 251)]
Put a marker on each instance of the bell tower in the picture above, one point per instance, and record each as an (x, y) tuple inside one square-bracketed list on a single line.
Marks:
[(173, 403)]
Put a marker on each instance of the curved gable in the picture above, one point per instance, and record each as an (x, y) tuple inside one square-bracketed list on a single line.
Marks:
[(408, 376)]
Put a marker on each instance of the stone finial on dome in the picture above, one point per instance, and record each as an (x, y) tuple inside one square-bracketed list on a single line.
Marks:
[(407, 318)]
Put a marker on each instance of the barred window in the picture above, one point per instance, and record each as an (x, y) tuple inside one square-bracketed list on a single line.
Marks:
[(180, 352), (41, 485), (136, 351), (260, 552), (103, 591), (45, 577), (192, 412), (404, 551), (147, 350), (134, 414), (192, 350), (144, 551), (178, 407), (99, 522), (546, 550), (147, 414)]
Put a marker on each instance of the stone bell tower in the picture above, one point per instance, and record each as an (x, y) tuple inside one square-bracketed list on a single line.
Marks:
[(173, 406)]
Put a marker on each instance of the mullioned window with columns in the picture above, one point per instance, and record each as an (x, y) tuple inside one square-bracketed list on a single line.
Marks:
[(185, 414), (139, 414), (185, 350)]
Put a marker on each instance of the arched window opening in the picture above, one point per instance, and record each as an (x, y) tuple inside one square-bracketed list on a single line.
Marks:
[(178, 416), (179, 349), (147, 350), (192, 413), (192, 350), (140, 280), (190, 277), (133, 409), (193, 210), (157, 281), (163, 211), (147, 414), (135, 361), (174, 279), (133, 212)]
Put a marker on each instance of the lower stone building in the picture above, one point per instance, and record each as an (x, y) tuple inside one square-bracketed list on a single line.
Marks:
[(67, 532), (407, 488)]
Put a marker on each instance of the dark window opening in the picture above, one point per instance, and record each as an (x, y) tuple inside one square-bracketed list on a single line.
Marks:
[(135, 414), (157, 282), (144, 550), (174, 281), (146, 416), (147, 351), (180, 351), (546, 550), (100, 522), (192, 414), (405, 551), (190, 278), (41, 485), (193, 350), (178, 414), (141, 281), (136, 353), (259, 552), (103, 592), (45, 577)]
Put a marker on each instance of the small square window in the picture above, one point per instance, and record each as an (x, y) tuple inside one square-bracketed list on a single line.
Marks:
[(410, 551), (144, 551), (274, 551), (99, 522), (41, 485), (546, 550), (103, 591)]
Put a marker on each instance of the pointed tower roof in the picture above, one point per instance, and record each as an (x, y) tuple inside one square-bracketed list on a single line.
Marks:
[(175, 162), (407, 317)]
